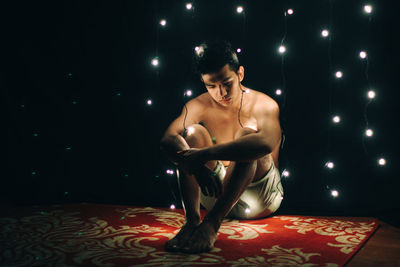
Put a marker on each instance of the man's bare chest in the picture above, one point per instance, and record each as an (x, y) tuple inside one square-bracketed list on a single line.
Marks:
[(223, 127)]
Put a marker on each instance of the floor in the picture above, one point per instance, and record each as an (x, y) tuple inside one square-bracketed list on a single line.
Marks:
[(382, 249)]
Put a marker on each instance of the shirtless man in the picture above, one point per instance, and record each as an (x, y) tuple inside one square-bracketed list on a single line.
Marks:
[(247, 145)]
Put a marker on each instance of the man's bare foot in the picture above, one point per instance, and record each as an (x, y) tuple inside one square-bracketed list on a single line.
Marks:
[(202, 238), (174, 245)]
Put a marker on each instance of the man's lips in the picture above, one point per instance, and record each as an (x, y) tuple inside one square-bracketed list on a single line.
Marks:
[(225, 100)]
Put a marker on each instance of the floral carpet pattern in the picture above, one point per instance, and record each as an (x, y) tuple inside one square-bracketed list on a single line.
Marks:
[(88, 234)]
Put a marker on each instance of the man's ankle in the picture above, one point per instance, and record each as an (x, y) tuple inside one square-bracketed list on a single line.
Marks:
[(216, 223), (193, 219)]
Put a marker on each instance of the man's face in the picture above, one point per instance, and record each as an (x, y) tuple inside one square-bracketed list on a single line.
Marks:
[(223, 84)]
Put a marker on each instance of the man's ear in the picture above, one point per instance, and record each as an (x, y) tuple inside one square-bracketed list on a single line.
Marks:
[(241, 73)]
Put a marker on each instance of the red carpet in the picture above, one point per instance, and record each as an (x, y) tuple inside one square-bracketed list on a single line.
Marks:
[(108, 235)]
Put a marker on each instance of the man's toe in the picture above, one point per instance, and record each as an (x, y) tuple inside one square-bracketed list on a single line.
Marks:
[(187, 249), (171, 246), (201, 248), (190, 249), (187, 246), (207, 248)]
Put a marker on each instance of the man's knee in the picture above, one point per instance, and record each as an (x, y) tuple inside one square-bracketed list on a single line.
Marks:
[(197, 136)]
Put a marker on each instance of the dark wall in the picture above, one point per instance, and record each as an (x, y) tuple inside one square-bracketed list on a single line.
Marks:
[(76, 77)]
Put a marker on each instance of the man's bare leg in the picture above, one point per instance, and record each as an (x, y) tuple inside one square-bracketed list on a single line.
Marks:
[(190, 191), (239, 175), (205, 235)]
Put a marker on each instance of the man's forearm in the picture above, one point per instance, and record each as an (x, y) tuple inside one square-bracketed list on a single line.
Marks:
[(173, 144), (245, 148)]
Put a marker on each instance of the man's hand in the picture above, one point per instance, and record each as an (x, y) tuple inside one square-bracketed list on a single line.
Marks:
[(193, 160)]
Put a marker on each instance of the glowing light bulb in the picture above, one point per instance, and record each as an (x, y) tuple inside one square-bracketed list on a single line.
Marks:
[(190, 130), (239, 9), (336, 119), (189, 6), (334, 193), (363, 54), (285, 173), (238, 50), (199, 50), (149, 102), (170, 171), (368, 9), (339, 74), (188, 93), (290, 11), (172, 206), (325, 33), (154, 62), (381, 161), (282, 49), (163, 22), (330, 165), (371, 94), (247, 210), (369, 132), (278, 91)]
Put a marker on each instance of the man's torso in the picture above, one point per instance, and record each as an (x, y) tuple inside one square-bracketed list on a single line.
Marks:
[(222, 124)]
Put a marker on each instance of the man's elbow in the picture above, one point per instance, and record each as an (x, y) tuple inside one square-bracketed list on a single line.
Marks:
[(267, 148), (163, 143), (165, 146), (166, 139)]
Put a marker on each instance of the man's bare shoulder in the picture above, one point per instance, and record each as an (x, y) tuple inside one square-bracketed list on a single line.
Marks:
[(264, 101), (204, 98), (199, 103), (197, 106)]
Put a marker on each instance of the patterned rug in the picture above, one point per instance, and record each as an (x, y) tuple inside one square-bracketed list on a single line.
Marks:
[(88, 234)]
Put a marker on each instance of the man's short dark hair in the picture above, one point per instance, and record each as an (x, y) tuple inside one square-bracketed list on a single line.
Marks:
[(210, 56)]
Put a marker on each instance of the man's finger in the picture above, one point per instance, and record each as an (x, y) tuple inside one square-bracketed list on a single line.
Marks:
[(210, 189), (207, 184), (219, 185), (202, 185), (214, 181), (205, 191), (213, 185)]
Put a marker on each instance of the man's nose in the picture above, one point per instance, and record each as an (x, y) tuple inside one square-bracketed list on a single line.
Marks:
[(222, 91)]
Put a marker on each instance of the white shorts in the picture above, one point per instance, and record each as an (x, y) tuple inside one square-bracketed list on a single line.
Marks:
[(262, 197)]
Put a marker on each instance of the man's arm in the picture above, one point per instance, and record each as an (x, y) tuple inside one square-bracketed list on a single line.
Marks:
[(254, 145), (245, 148)]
